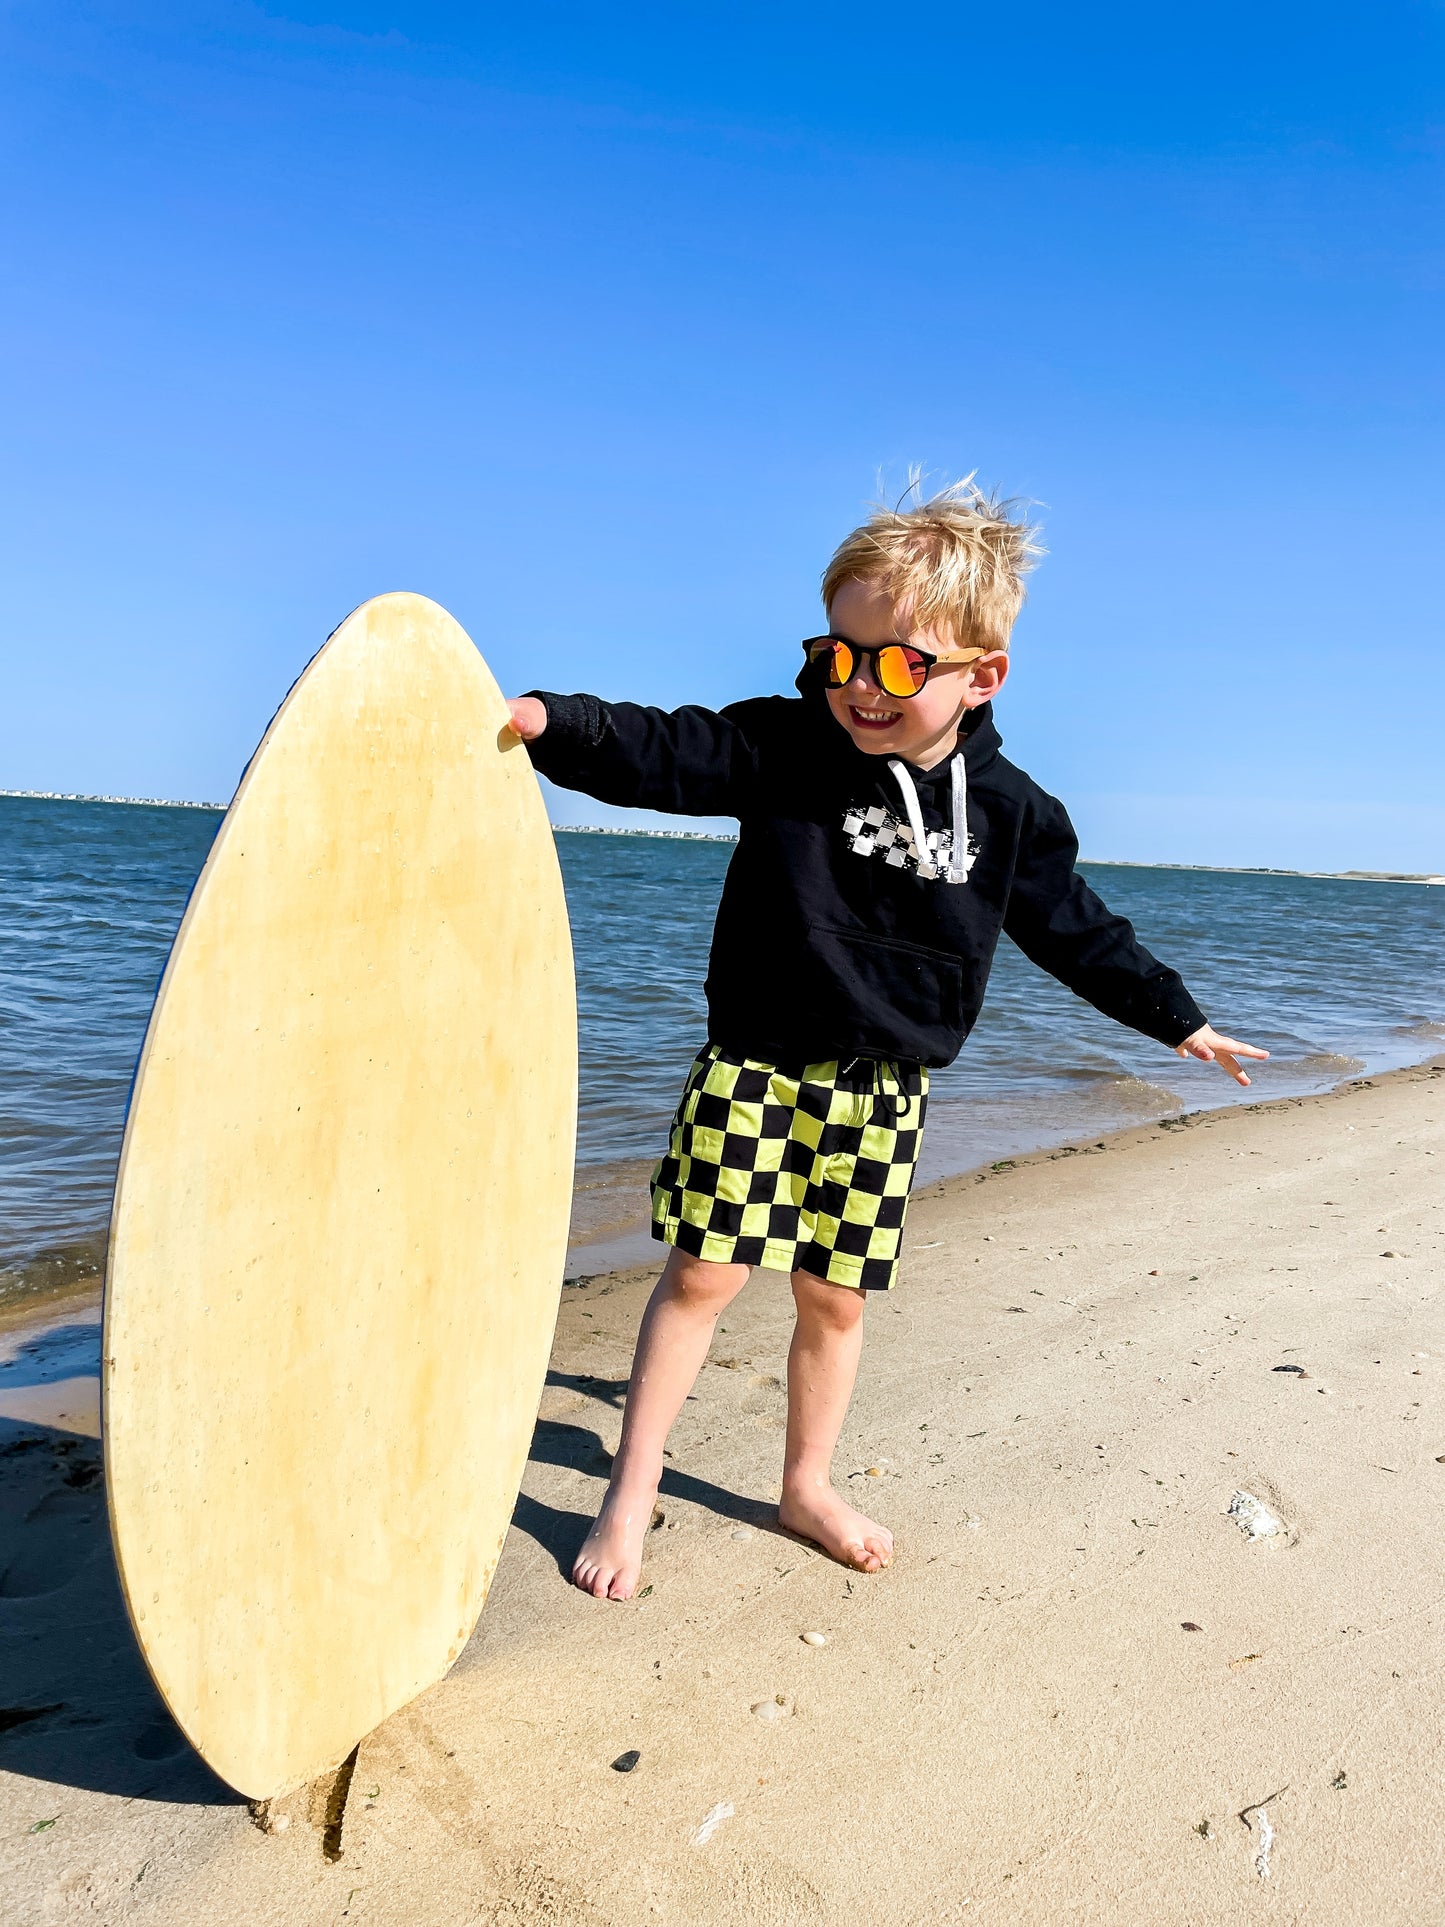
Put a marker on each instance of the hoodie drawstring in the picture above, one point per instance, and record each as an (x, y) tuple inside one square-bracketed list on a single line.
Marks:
[(960, 857)]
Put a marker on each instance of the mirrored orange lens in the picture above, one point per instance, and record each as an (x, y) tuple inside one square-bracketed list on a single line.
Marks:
[(901, 672), (836, 658)]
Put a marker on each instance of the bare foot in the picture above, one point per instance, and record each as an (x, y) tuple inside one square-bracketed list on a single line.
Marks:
[(610, 1562), (817, 1513)]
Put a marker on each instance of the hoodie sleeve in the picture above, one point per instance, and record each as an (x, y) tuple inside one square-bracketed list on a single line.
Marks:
[(695, 762), (1059, 924)]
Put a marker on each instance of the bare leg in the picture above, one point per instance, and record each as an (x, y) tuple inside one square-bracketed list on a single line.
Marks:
[(672, 1342), (822, 1365)]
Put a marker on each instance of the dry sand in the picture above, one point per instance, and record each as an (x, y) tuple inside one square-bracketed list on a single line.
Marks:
[(1081, 1694)]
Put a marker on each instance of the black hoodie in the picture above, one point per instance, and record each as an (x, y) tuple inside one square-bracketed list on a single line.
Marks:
[(829, 943)]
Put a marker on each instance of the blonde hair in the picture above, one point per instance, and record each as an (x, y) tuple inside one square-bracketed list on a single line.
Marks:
[(954, 563)]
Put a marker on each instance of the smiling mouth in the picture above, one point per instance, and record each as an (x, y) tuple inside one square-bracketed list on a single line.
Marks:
[(873, 718)]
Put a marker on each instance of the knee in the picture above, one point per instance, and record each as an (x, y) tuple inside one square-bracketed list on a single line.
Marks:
[(836, 1308), (701, 1285)]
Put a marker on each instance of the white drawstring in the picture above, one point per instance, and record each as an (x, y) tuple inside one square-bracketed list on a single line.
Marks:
[(910, 804), (960, 857)]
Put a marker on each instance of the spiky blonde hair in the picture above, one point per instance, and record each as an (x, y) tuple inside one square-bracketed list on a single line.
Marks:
[(954, 563)]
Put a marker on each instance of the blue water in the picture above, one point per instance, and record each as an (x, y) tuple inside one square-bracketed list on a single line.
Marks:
[(1333, 976)]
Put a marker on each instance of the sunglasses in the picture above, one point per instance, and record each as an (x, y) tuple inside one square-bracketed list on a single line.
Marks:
[(896, 667)]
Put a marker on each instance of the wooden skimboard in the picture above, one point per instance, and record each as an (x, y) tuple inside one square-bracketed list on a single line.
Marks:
[(341, 1214)]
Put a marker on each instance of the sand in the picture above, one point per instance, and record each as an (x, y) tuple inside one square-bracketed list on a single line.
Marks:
[(1081, 1694)]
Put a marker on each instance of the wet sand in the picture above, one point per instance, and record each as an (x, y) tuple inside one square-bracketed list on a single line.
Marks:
[(1081, 1693)]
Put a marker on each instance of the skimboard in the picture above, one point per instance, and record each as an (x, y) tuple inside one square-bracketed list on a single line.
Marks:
[(341, 1212)]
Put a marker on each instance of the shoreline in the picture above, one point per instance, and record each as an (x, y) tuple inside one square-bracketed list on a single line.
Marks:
[(610, 1225), (620, 1248)]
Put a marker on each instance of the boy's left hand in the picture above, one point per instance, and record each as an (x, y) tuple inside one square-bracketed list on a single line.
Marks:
[(1208, 1045)]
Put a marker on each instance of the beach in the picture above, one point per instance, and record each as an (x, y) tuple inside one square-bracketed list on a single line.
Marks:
[(1082, 1693)]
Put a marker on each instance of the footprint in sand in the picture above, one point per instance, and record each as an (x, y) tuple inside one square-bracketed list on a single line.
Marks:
[(60, 1535), (161, 1740)]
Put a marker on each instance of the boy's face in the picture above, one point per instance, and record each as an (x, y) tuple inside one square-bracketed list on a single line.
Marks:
[(923, 729)]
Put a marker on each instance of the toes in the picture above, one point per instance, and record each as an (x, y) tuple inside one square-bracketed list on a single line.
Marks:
[(874, 1550), (585, 1576), (602, 1581)]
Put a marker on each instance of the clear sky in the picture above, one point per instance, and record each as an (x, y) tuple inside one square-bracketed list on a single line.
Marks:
[(602, 324)]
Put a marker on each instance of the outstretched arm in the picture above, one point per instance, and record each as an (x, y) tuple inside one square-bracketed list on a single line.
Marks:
[(1061, 925), (697, 762)]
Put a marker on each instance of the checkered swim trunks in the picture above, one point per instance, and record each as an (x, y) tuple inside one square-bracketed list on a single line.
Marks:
[(798, 1172)]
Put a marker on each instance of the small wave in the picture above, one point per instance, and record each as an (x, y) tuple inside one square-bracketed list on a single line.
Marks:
[(1094, 1076), (54, 1270), (1323, 1063), (1420, 1027), (1140, 1094)]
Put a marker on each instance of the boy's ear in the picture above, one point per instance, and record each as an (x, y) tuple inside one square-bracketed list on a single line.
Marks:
[(990, 673)]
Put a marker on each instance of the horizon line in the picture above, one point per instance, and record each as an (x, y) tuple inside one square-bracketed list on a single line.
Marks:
[(717, 836)]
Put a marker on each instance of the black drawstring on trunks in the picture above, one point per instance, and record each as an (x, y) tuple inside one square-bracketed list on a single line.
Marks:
[(895, 1104)]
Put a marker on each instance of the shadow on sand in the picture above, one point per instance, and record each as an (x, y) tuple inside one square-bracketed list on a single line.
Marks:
[(79, 1708), (560, 1534)]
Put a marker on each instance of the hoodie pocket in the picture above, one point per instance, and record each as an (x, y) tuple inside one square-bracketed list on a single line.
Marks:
[(900, 998)]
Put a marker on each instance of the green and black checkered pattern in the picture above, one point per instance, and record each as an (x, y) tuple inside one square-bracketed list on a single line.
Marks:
[(805, 1171)]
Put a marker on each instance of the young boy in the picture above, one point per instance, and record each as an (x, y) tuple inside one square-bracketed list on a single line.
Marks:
[(884, 844)]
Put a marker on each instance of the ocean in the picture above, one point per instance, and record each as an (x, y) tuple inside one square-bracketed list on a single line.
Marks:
[(1336, 977)]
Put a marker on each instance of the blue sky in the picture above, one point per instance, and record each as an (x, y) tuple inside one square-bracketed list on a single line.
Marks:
[(601, 325)]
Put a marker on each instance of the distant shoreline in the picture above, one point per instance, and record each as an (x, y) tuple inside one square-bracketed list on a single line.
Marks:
[(139, 802), (1266, 870), (714, 836)]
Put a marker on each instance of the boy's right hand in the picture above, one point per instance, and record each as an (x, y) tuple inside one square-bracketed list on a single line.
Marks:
[(529, 717)]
